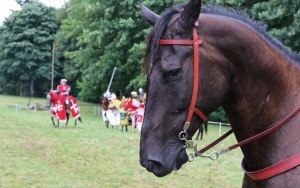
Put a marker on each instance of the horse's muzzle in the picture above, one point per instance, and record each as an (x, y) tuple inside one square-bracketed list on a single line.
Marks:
[(162, 168), (156, 167)]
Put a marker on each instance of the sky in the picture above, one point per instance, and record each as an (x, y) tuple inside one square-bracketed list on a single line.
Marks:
[(7, 5)]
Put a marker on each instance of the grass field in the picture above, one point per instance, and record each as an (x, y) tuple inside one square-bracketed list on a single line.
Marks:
[(35, 154)]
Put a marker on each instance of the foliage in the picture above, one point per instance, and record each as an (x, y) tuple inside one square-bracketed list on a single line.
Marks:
[(26, 42), (281, 17), (108, 35), (67, 67), (218, 116), (98, 35)]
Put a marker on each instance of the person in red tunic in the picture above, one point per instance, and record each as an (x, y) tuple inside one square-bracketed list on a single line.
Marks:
[(131, 106), (64, 90)]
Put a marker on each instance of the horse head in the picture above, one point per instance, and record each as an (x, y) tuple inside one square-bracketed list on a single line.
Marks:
[(104, 103), (123, 102), (52, 95), (115, 104), (241, 68), (170, 86), (48, 98)]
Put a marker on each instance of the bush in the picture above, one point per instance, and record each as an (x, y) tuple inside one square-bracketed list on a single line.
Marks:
[(218, 115)]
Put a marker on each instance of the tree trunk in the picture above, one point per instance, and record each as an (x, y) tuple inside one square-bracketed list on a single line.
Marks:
[(21, 89), (31, 91)]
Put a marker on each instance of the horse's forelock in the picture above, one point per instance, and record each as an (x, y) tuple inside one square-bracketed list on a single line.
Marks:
[(155, 35)]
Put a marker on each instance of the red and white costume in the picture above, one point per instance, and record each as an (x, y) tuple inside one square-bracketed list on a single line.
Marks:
[(140, 117), (131, 106), (64, 89), (58, 108)]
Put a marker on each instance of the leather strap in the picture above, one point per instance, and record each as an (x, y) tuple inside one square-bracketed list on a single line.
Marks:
[(214, 142), (195, 42), (273, 170), (269, 171), (266, 132)]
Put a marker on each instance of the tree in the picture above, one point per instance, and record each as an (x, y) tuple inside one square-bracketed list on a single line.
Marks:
[(281, 17), (67, 66), (26, 41), (108, 35)]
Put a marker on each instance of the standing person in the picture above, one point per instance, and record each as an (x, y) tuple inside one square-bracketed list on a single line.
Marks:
[(131, 106), (142, 96), (110, 95)]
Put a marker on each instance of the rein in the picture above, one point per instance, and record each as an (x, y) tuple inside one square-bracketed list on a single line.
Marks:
[(263, 174)]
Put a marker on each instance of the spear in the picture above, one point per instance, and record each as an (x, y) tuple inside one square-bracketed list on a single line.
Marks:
[(111, 79)]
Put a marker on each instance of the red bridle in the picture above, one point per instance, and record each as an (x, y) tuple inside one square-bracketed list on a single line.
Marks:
[(195, 43), (263, 174)]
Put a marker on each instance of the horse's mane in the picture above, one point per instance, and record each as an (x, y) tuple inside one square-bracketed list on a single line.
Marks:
[(259, 27), (152, 48)]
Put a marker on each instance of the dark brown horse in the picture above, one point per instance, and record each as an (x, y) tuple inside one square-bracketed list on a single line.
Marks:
[(104, 105), (242, 68)]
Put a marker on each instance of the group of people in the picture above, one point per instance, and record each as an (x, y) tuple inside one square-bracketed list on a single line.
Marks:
[(125, 111), (141, 96), (129, 110)]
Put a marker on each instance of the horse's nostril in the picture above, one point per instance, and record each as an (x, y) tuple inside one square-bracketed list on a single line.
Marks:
[(149, 165)]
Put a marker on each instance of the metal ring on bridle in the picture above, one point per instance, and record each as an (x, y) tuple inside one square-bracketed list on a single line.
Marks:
[(191, 157), (213, 156), (181, 135)]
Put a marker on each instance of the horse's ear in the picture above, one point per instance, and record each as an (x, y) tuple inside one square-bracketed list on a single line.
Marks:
[(149, 15), (190, 14)]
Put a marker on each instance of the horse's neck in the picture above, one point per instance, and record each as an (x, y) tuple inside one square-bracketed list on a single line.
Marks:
[(115, 103), (264, 90), (265, 84), (262, 77), (123, 102), (54, 97)]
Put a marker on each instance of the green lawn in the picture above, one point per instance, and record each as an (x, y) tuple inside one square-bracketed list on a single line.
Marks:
[(35, 154)]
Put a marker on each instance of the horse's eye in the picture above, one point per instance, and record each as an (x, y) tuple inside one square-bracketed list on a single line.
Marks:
[(172, 74)]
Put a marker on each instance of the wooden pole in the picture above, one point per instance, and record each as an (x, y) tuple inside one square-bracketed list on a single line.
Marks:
[(52, 72)]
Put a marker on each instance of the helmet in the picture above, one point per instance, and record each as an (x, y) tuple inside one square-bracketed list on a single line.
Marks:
[(140, 90), (134, 94), (106, 94), (63, 80)]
